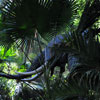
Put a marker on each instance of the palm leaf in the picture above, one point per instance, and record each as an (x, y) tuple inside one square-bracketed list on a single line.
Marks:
[(21, 18), (90, 15)]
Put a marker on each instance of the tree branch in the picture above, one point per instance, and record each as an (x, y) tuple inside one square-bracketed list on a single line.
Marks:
[(18, 77)]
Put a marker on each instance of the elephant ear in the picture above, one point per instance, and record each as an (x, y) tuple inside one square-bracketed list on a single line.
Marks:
[(20, 19)]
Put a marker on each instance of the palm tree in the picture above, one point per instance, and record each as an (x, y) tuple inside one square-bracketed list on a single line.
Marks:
[(24, 19)]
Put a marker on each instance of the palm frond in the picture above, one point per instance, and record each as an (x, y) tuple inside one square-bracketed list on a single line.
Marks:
[(90, 15), (21, 18), (81, 83)]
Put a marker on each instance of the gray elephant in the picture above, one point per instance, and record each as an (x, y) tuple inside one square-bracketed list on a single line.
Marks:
[(49, 55)]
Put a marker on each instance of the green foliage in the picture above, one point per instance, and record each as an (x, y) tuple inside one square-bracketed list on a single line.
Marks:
[(81, 83), (22, 21), (4, 90), (4, 55)]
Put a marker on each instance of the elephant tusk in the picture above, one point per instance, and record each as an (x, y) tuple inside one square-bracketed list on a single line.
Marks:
[(32, 78), (33, 72)]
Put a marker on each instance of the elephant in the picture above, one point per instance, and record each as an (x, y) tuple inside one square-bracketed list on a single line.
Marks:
[(48, 55)]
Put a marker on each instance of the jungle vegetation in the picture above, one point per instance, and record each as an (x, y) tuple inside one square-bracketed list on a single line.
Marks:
[(26, 28)]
